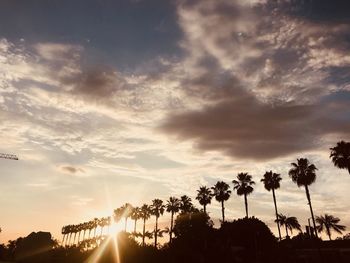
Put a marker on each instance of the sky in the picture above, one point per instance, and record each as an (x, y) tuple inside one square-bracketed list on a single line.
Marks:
[(107, 102)]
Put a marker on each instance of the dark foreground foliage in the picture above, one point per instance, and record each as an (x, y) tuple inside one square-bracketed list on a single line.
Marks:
[(196, 241)]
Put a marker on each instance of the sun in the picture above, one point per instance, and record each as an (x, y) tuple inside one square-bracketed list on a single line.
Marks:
[(116, 228)]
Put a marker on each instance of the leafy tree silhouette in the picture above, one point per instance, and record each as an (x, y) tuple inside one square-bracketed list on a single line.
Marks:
[(272, 182), (289, 222), (221, 192), (145, 213), (157, 209), (303, 173), (204, 196), (340, 155), (327, 223), (244, 186), (172, 206)]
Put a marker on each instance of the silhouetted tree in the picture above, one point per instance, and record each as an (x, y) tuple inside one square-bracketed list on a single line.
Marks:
[(243, 186), (327, 223), (157, 209), (135, 215), (145, 213), (221, 192), (340, 155), (272, 182), (172, 207), (123, 212), (186, 205), (289, 223), (204, 196), (303, 173)]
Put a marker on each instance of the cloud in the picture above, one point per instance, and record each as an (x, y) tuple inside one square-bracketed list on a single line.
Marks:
[(72, 169), (264, 79), (244, 127)]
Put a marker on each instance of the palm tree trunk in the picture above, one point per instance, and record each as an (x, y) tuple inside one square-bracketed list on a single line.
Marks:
[(79, 237), (171, 226), (143, 232), (84, 234), (75, 234), (135, 225), (101, 231), (156, 233), (70, 237), (205, 209), (95, 231), (276, 212), (246, 205), (329, 233), (223, 211), (312, 213), (286, 231), (90, 233)]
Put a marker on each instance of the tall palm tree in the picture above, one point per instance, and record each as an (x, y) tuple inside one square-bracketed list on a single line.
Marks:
[(135, 215), (172, 206), (63, 232), (91, 226), (123, 212), (272, 182), (244, 186), (80, 228), (204, 196), (145, 213), (127, 212), (327, 223), (186, 205), (95, 224), (75, 231), (303, 173), (340, 155), (85, 227), (289, 222), (157, 209), (222, 193)]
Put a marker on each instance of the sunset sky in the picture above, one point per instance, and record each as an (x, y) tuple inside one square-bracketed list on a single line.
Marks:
[(107, 102)]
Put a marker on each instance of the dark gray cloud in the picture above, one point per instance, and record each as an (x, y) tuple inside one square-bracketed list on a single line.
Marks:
[(97, 83), (244, 127), (72, 169)]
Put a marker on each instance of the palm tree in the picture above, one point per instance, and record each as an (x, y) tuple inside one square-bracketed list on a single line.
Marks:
[(123, 211), (172, 206), (63, 232), (243, 186), (135, 215), (204, 196), (222, 193), (289, 223), (186, 205), (95, 224), (127, 212), (340, 155), (80, 228), (328, 222), (157, 209), (303, 173), (91, 226), (145, 213), (85, 227), (272, 182)]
